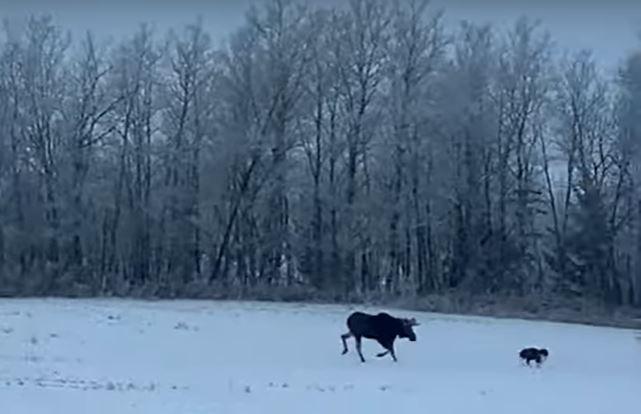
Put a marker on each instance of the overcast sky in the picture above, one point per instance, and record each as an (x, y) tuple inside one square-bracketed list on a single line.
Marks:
[(609, 27)]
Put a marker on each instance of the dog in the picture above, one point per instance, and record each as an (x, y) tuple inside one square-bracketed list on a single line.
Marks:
[(539, 355)]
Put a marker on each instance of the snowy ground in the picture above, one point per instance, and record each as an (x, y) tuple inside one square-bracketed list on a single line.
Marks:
[(189, 357)]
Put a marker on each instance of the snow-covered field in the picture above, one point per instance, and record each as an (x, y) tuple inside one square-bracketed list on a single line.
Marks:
[(191, 357)]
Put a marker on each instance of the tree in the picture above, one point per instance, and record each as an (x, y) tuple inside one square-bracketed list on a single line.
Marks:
[(416, 53), (363, 33), (263, 73), (85, 109), (594, 177), (467, 173), (628, 163), (524, 85), (127, 256), (188, 108), (39, 76)]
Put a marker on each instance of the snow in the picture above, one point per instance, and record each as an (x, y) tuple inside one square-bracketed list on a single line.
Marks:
[(191, 357)]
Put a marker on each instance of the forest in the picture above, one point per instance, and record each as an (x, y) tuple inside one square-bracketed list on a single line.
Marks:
[(343, 154)]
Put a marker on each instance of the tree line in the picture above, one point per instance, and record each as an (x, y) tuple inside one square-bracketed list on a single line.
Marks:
[(342, 152)]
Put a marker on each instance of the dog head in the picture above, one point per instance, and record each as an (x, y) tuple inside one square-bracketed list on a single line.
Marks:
[(544, 353)]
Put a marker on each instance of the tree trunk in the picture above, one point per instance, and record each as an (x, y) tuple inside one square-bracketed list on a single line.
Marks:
[(558, 236), (637, 281), (235, 206), (2, 250)]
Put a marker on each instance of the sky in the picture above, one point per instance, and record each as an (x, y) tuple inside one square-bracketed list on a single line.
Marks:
[(609, 27)]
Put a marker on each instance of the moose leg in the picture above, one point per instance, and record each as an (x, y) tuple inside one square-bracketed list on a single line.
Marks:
[(389, 346), (391, 351), (384, 344), (344, 338), (358, 348)]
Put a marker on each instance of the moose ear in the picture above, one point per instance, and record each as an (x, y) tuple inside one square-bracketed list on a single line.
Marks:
[(414, 322)]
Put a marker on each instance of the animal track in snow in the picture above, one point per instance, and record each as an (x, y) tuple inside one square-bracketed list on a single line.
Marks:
[(84, 385), (182, 326)]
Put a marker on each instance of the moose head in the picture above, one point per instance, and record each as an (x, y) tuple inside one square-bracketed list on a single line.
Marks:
[(407, 331)]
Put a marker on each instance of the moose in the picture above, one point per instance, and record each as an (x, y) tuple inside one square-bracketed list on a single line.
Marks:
[(382, 327)]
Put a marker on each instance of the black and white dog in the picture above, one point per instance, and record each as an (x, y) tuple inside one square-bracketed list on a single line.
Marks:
[(539, 355)]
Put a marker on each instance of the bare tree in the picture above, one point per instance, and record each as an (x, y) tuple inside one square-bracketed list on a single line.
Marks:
[(588, 141), (40, 75), (313, 128), (85, 110), (185, 119), (524, 82), (10, 207), (133, 82), (629, 162), (469, 118), (362, 41), (416, 51), (264, 71)]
